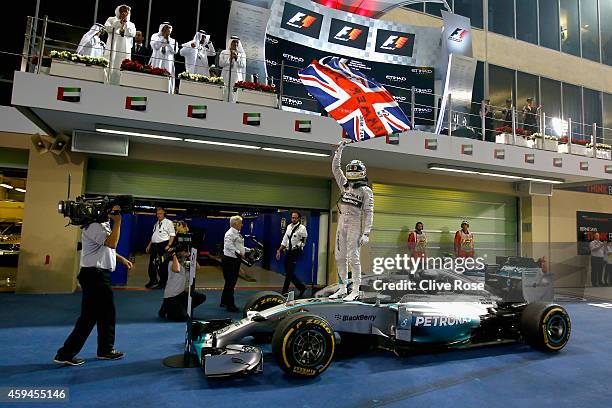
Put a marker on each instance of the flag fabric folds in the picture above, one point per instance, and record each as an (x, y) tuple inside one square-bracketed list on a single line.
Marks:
[(363, 107)]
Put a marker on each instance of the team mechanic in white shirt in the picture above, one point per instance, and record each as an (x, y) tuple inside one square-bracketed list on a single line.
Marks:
[(293, 243), (356, 211), (98, 260), (233, 250), (161, 242)]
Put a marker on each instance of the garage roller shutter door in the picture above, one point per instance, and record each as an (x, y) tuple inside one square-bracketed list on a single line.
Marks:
[(492, 218), (205, 184)]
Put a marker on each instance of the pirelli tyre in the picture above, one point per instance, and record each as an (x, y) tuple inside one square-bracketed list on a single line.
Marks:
[(546, 326), (303, 344), (262, 301)]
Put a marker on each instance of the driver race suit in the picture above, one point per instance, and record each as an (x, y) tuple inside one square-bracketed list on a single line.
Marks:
[(356, 208)]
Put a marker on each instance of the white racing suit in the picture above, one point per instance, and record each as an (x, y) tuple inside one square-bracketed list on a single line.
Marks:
[(356, 208)]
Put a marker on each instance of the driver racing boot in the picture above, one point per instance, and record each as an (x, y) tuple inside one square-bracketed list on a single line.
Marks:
[(354, 295), (339, 293)]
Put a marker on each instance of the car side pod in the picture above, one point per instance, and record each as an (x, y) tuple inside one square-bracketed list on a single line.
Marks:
[(235, 359)]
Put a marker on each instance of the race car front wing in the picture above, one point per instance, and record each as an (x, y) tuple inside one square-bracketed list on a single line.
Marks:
[(233, 359)]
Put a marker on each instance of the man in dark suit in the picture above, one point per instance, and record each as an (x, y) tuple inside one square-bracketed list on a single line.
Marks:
[(140, 52)]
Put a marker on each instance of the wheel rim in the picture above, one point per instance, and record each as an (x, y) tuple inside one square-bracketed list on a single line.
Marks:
[(556, 329), (309, 347)]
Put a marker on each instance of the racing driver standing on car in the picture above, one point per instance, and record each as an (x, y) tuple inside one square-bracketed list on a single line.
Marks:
[(356, 209)]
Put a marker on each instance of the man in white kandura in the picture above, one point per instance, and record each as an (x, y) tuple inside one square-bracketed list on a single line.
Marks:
[(164, 48), (90, 44), (233, 59), (121, 32), (356, 209), (196, 53)]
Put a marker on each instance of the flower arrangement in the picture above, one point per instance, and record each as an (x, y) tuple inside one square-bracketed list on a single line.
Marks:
[(538, 135), (81, 59), (129, 65), (254, 86), (580, 142), (508, 129), (601, 146), (201, 78)]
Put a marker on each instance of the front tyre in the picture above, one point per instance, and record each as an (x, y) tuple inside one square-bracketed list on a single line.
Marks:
[(303, 345), (546, 326), (263, 300)]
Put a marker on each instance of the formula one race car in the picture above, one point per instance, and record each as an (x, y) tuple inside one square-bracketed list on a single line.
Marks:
[(306, 333)]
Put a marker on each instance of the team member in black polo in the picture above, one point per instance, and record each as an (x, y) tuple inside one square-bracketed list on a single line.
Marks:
[(294, 241), (98, 260), (161, 241)]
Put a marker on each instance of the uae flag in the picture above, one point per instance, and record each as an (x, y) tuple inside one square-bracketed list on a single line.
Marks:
[(584, 166), (137, 103), (253, 119), (608, 168), (557, 162), (196, 111), (467, 149), (500, 154), (303, 126), (431, 144), (392, 138), (69, 94)]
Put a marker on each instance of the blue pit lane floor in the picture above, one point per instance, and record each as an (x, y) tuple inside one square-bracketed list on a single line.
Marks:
[(32, 327)]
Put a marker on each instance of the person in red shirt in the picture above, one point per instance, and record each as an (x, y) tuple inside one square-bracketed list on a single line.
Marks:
[(417, 241), (464, 242)]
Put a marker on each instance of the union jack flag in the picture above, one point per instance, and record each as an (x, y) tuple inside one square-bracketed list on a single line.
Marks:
[(363, 107)]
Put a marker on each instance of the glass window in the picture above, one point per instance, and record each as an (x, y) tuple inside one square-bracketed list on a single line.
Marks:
[(417, 7), (501, 17), (607, 118), (477, 94), (471, 9), (138, 14), (589, 29), (572, 109), (606, 31), (526, 87), (434, 9), (551, 101), (80, 18), (592, 110), (527, 20), (6, 90), (213, 19), (549, 24), (501, 87), (569, 26)]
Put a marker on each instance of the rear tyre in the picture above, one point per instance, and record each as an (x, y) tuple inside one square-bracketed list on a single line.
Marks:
[(303, 345), (546, 326), (262, 301)]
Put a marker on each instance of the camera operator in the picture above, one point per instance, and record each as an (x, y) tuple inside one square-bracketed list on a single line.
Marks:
[(98, 260), (293, 243), (160, 243), (174, 306)]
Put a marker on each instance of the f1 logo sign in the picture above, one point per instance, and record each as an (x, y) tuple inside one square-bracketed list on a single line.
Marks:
[(458, 35), (394, 42), (301, 20), (348, 33)]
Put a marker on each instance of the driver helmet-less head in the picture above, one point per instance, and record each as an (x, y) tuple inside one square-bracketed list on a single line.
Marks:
[(355, 170)]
